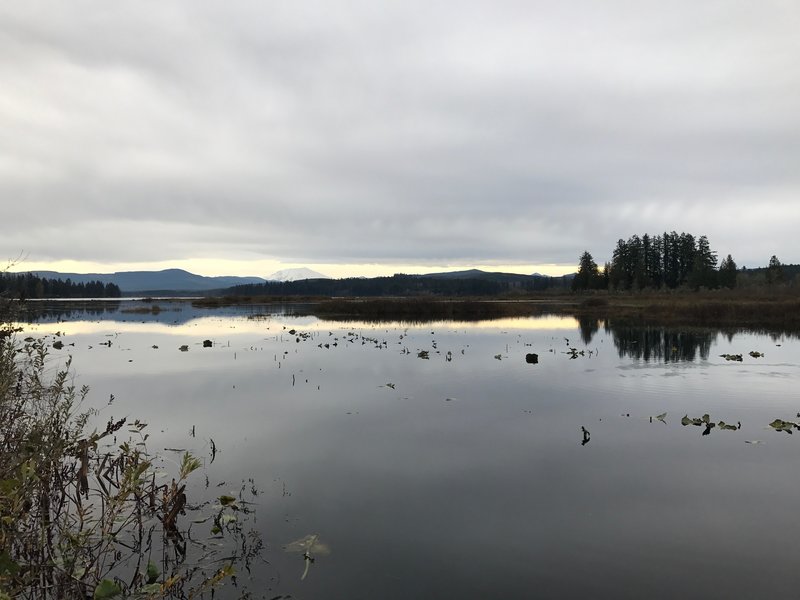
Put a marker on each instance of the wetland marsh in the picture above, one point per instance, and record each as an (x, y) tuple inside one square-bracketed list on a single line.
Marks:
[(431, 460)]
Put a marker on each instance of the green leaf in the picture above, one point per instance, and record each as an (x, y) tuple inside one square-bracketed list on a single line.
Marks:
[(149, 590), (152, 573), (106, 589), (28, 469), (7, 565), (780, 425), (9, 486), (189, 464)]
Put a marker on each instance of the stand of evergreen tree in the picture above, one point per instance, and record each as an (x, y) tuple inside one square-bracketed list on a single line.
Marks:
[(589, 276), (28, 285), (669, 260), (775, 271)]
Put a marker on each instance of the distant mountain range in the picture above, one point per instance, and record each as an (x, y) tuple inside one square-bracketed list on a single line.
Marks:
[(179, 282), (154, 281)]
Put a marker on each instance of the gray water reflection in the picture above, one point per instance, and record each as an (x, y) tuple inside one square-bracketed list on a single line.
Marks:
[(173, 311), (468, 478)]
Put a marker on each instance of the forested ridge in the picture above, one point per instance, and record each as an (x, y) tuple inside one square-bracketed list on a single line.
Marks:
[(402, 285), (28, 285)]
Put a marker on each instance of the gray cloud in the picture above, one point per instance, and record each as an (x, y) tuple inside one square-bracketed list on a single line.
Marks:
[(449, 132)]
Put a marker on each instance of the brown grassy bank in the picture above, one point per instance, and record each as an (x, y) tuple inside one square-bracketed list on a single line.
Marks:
[(423, 309), (779, 311), (761, 307), (220, 301), (713, 310)]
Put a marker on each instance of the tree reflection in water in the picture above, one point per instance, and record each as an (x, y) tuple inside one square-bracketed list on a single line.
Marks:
[(653, 343)]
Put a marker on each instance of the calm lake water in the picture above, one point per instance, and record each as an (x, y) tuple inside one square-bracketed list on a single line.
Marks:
[(467, 476)]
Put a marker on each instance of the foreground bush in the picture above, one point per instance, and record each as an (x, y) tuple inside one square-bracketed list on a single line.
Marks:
[(84, 516)]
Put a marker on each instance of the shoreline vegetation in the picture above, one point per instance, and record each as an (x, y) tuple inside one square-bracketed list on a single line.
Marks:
[(86, 510), (724, 308), (690, 310)]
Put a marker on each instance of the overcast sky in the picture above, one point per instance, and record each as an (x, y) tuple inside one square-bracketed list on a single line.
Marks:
[(366, 137)]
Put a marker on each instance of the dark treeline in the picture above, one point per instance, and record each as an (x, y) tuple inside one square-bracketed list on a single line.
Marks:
[(28, 285), (774, 273), (666, 261), (398, 285)]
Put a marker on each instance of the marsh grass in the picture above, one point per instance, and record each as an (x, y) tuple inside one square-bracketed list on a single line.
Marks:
[(222, 301), (717, 309), (422, 309), (85, 514)]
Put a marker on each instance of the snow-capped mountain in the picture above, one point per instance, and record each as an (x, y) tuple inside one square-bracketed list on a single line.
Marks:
[(295, 275)]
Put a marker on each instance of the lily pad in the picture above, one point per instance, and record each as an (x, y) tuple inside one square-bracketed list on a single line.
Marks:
[(781, 425)]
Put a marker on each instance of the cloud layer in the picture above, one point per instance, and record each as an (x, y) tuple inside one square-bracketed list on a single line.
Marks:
[(396, 132)]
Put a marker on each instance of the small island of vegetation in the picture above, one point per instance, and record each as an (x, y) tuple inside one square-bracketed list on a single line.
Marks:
[(84, 511)]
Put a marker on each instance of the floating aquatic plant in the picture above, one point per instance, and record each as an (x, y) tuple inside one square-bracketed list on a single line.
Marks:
[(308, 545)]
